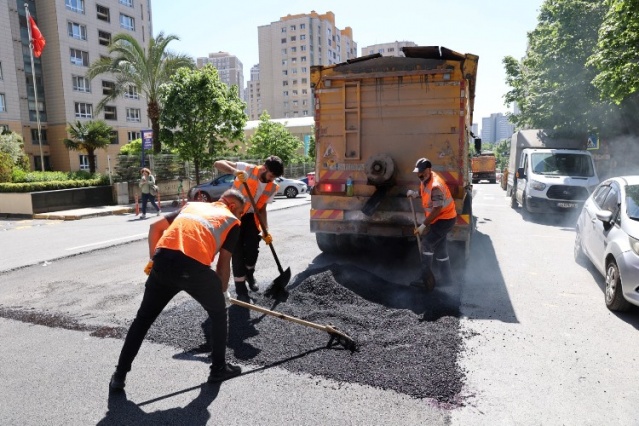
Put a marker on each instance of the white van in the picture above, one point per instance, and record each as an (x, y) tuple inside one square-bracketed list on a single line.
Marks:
[(553, 180)]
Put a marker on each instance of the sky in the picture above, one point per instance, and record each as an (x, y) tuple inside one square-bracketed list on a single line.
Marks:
[(491, 29)]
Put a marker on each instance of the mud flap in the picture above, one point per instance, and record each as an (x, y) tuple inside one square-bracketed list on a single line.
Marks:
[(375, 200)]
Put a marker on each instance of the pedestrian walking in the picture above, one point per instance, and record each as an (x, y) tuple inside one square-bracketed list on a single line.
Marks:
[(182, 246), (148, 188), (262, 188), (439, 219)]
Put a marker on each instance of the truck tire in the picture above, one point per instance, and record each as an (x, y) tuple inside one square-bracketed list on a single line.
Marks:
[(379, 169), (333, 243), (513, 198)]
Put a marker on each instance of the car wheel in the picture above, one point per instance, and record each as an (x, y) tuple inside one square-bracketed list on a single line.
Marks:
[(203, 196), (290, 192), (614, 296), (578, 250)]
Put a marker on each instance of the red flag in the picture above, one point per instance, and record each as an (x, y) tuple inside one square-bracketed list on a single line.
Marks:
[(37, 38)]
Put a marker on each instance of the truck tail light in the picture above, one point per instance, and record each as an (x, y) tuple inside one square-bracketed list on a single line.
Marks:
[(331, 187)]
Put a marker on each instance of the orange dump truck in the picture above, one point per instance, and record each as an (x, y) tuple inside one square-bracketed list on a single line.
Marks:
[(374, 117), (484, 167)]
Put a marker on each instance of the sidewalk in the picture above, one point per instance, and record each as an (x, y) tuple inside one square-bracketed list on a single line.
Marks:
[(166, 206)]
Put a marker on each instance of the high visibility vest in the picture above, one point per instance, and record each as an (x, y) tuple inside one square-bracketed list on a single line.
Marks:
[(448, 209), (253, 182), (199, 231)]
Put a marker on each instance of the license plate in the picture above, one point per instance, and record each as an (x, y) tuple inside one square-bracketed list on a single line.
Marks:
[(567, 205)]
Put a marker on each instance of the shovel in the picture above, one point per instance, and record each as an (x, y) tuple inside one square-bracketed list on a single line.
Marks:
[(278, 286), (431, 277), (336, 336)]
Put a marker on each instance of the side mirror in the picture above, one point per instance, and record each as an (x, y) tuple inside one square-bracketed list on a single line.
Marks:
[(520, 173), (604, 215)]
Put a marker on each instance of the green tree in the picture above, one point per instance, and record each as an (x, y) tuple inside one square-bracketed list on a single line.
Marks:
[(145, 69), (502, 153), (311, 146), (271, 138), (132, 148), (12, 144), (88, 137), (552, 84), (204, 113)]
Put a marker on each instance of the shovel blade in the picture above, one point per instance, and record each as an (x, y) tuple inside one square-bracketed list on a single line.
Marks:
[(278, 286)]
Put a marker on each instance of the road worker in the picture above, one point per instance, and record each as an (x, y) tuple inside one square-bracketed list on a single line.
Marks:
[(439, 219), (182, 246)]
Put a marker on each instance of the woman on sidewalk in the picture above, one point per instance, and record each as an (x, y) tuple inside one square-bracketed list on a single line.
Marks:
[(148, 188)]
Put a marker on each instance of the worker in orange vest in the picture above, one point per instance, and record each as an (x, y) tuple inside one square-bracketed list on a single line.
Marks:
[(262, 188), (439, 220), (182, 246)]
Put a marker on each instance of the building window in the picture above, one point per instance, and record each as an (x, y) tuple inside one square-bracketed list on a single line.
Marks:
[(1, 71), (77, 31), (110, 113), (81, 84), (302, 36), (285, 83), (127, 22), (303, 59), (303, 48), (283, 40), (302, 26), (84, 162), (284, 72), (131, 92), (79, 57), (304, 92), (285, 93), (305, 112), (304, 81), (284, 51), (115, 139), (103, 13), (294, 81), (4, 128), (104, 38), (37, 160), (75, 5), (294, 70), (283, 29), (43, 135), (391, 49), (293, 49), (133, 114), (284, 62), (292, 27), (3, 104), (131, 136), (295, 92), (127, 2), (304, 70), (83, 110), (293, 38), (108, 87)]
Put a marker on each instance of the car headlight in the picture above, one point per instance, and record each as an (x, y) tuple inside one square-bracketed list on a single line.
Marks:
[(634, 245), (538, 186)]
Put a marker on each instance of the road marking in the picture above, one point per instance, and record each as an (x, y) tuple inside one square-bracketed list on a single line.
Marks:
[(106, 242)]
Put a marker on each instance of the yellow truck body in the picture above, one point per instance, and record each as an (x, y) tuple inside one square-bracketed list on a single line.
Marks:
[(484, 167), (374, 118)]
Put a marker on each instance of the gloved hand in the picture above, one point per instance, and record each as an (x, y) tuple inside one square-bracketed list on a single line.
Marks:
[(420, 230), (267, 238), (241, 175), (412, 194), (147, 268)]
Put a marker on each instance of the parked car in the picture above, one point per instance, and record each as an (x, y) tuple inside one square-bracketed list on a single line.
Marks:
[(211, 191), (290, 187), (607, 233), (309, 187)]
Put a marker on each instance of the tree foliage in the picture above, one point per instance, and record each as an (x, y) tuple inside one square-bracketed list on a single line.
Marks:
[(89, 137), (271, 138), (12, 144), (205, 114), (145, 69)]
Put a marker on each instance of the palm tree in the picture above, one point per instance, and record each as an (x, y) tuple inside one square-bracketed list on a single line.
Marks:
[(88, 137), (145, 69)]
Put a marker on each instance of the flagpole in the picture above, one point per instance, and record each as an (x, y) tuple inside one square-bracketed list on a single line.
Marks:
[(35, 88)]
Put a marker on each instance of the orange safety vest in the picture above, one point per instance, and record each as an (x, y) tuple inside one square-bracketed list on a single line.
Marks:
[(253, 182), (199, 231), (448, 210)]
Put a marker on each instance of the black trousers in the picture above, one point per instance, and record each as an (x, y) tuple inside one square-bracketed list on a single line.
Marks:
[(434, 244), (247, 248), (174, 272)]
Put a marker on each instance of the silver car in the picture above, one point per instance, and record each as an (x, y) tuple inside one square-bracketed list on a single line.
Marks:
[(607, 233), (290, 187)]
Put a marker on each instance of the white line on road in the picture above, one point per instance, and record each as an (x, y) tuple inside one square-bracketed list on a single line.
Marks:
[(107, 241)]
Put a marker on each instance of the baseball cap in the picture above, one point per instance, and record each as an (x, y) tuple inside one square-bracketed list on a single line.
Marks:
[(422, 164)]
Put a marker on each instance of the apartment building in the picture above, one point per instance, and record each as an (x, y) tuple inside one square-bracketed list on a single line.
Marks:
[(495, 128), (229, 67), (387, 49), (77, 33), (287, 50), (253, 97)]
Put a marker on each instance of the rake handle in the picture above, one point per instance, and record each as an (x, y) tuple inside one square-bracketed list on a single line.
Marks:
[(419, 240)]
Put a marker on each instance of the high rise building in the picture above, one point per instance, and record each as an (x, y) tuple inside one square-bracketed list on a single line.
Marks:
[(287, 50), (77, 33), (229, 68), (495, 128), (253, 97), (387, 49)]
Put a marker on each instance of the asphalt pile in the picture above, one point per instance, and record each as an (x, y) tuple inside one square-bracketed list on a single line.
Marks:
[(408, 341)]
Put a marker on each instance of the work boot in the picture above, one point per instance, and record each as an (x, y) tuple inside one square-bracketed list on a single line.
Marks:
[(223, 372), (426, 283), (445, 275), (250, 280), (241, 290), (117, 380)]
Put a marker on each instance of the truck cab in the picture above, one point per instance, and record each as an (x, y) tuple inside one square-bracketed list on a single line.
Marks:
[(553, 180)]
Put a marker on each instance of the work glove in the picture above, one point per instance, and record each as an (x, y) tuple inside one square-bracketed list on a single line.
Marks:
[(147, 268), (420, 230), (241, 175), (412, 194), (267, 238)]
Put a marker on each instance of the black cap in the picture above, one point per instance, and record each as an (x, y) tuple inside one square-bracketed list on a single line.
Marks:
[(422, 164)]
